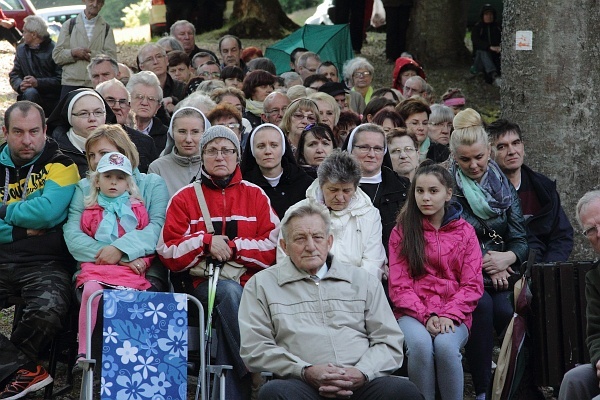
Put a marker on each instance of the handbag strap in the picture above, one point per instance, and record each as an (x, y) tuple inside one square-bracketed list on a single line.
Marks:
[(490, 232), (204, 208)]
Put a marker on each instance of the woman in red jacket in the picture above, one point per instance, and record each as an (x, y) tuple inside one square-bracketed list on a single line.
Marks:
[(435, 282), (243, 241)]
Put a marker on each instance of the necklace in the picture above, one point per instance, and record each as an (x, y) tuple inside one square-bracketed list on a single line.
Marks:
[(375, 195)]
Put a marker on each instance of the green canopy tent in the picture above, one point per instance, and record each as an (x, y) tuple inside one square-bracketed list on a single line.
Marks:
[(330, 42)]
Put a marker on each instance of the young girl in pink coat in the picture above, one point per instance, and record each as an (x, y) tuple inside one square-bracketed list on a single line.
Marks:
[(435, 282), (111, 210)]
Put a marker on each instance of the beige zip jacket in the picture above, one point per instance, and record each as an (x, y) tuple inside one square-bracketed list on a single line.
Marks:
[(288, 322), (103, 42)]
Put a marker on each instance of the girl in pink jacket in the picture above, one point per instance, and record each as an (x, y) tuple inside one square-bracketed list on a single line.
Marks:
[(111, 210), (435, 282)]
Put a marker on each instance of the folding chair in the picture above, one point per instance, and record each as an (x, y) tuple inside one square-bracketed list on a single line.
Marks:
[(145, 346)]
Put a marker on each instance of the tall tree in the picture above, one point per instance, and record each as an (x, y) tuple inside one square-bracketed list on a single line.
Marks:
[(552, 92), (263, 19), (436, 34)]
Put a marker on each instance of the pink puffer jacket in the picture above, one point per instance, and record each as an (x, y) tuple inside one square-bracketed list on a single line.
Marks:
[(453, 284)]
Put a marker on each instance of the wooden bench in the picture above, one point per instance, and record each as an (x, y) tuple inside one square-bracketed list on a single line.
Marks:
[(558, 323)]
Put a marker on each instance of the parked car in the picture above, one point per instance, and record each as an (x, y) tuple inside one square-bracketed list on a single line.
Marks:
[(158, 18), (18, 10), (59, 15), (56, 16)]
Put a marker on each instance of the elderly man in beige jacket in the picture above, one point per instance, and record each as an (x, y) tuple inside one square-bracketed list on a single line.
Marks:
[(325, 328), (80, 39)]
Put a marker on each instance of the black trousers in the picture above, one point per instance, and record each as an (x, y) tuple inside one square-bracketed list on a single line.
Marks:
[(396, 22), (352, 12)]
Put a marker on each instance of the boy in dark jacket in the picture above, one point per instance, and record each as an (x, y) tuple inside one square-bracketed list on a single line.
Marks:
[(487, 37)]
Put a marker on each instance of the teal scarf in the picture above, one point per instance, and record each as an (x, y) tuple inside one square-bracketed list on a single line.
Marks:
[(488, 198), (424, 148), (117, 210), (475, 197)]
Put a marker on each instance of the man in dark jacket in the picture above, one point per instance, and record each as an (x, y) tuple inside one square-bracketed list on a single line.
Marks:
[(119, 99), (548, 228), (35, 76), (486, 36), (34, 261), (152, 57)]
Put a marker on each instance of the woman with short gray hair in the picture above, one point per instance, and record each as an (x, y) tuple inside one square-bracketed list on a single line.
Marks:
[(355, 223), (440, 124), (358, 74)]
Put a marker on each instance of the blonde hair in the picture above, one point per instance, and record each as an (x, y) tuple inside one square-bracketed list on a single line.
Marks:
[(468, 130), (117, 136), (94, 178)]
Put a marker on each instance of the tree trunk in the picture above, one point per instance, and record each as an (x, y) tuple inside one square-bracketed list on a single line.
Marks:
[(260, 19), (436, 34), (552, 93)]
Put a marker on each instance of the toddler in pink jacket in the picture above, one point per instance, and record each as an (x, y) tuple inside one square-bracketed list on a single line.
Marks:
[(435, 282), (111, 210)]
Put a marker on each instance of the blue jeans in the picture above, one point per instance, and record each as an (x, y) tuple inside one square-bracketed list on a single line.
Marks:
[(430, 358), (487, 61), (225, 317), (493, 312)]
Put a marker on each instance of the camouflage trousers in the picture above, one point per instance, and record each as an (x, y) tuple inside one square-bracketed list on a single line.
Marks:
[(45, 288)]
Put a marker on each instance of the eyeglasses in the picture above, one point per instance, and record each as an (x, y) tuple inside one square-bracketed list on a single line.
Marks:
[(447, 125), (231, 126), (365, 149), (590, 232), (113, 102), (280, 111), (212, 152), (150, 99), (408, 150), (213, 74), (309, 117), (365, 74), (155, 58), (88, 114)]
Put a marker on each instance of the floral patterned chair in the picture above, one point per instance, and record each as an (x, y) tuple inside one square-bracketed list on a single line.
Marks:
[(144, 347)]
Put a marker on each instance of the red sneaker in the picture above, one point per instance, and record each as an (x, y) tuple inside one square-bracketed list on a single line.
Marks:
[(26, 382)]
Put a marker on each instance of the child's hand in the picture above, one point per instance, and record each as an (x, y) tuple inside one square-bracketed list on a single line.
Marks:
[(446, 325), (433, 325)]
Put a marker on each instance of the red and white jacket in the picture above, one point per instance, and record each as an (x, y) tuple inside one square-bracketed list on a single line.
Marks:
[(241, 211)]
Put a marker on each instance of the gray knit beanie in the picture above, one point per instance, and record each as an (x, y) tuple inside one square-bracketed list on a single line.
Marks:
[(220, 131)]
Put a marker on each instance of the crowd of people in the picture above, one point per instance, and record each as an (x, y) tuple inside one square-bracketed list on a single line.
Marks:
[(355, 226)]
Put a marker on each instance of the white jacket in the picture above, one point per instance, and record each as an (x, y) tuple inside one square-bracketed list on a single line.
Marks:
[(356, 232)]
